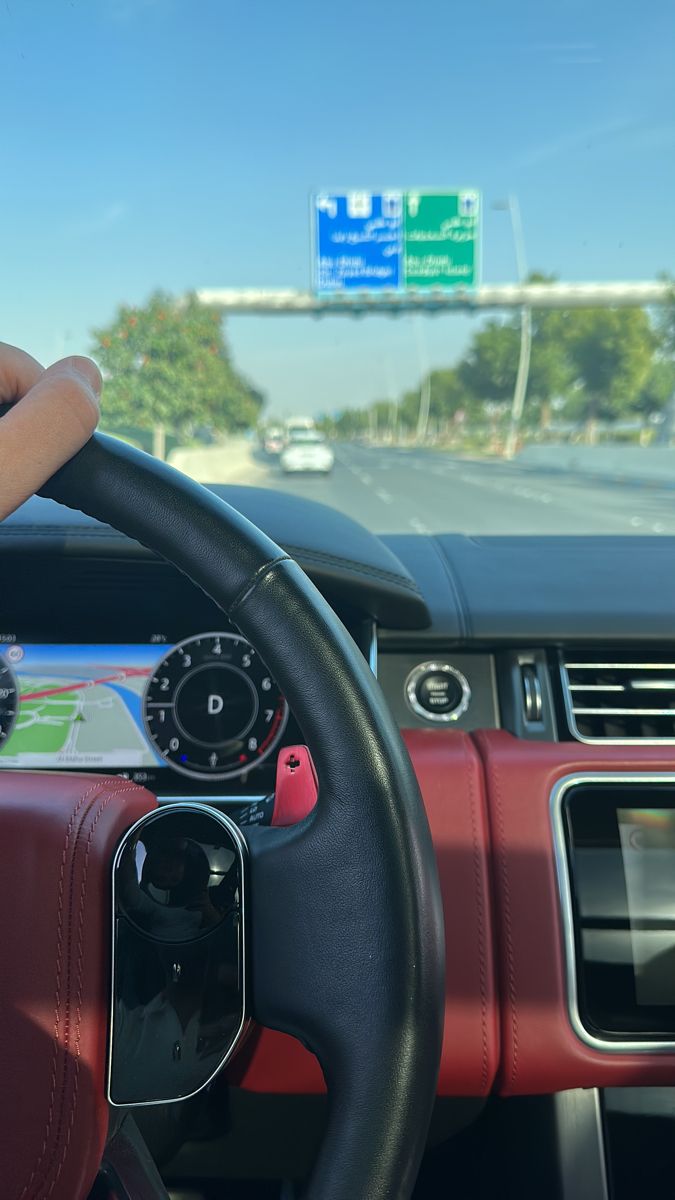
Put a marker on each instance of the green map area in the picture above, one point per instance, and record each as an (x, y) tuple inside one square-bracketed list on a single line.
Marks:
[(88, 724)]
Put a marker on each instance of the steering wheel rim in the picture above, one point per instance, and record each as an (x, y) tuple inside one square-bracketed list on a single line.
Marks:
[(346, 920)]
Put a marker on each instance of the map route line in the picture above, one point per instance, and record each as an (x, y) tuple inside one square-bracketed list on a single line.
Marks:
[(77, 685)]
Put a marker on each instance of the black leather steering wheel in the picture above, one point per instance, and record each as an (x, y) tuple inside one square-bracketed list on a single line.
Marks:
[(346, 922)]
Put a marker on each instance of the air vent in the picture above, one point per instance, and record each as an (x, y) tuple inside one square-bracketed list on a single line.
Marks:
[(620, 697)]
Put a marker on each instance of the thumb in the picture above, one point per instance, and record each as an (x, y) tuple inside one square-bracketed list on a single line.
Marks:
[(46, 428)]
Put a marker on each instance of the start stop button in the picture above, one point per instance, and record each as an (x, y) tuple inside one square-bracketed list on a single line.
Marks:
[(437, 691)]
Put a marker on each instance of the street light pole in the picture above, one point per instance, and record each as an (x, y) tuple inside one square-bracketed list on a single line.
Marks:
[(425, 383), (520, 390)]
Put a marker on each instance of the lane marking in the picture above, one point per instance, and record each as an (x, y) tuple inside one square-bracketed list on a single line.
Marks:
[(418, 525), (636, 522), (384, 496)]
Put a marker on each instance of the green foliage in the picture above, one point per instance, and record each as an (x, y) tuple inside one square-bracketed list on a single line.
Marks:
[(350, 423), (585, 365), (665, 322), (168, 364), (658, 388), (611, 352), (449, 394), (488, 371)]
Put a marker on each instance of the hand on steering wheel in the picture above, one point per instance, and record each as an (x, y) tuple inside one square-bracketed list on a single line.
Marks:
[(344, 934), (54, 412)]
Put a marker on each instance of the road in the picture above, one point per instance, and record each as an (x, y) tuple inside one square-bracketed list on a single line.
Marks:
[(421, 491)]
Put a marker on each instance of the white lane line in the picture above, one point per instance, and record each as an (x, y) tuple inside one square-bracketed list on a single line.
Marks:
[(367, 479), (384, 496), (636, 522), (658, 527), (418, 525)]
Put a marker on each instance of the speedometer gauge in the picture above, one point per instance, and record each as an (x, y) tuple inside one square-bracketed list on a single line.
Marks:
[(211, 708), (9, 701)]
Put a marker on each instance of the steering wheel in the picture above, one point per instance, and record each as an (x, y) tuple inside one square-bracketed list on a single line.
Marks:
[(346, 933)]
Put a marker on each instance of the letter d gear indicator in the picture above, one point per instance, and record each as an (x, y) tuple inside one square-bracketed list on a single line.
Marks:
[(211, 708)]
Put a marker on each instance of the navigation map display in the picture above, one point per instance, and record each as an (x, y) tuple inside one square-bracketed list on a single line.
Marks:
[(76, 706)]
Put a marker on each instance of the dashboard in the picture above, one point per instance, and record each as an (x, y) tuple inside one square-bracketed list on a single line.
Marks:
[(508, 663), (198, 713), (206, 707)]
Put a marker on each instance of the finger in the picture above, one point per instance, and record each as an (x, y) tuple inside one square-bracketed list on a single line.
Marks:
[(80, 366), (18, 372), (50, 424)]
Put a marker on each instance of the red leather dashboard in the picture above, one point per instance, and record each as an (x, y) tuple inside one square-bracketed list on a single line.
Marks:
[(540, 1051), (506, 1023), (451, 781)]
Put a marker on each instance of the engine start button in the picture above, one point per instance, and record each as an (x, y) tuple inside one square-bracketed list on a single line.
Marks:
[(437, 692)]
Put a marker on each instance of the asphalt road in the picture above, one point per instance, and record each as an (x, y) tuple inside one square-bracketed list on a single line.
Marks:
[(394, 491)]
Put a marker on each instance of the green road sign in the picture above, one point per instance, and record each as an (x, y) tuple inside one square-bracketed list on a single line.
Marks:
[(441, 239)]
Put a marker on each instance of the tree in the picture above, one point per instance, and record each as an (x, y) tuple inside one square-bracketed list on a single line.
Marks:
[(349, 423), (666, 321), (488, 371), (611, 351), (448, 394), (658, 388), (167, 366), (490, 367)]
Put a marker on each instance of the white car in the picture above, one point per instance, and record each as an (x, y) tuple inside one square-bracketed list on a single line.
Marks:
[(307, 450)]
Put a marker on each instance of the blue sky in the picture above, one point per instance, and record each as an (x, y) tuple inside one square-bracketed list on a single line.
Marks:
[(175, 143)]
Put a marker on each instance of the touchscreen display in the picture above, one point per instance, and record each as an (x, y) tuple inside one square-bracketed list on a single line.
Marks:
[(76, 706), (647, 838)]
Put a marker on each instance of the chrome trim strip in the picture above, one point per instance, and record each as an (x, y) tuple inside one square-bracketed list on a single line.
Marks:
[(163, 801), (597, 687), (584, 711), (240, 843), (580, 1143), (652, 685), (372, 649), (606, 1045), (533, 701), (603, 741), (495, 692), (621, 666)]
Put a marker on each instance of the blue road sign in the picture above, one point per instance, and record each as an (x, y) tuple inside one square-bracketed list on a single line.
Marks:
[(358, 240)]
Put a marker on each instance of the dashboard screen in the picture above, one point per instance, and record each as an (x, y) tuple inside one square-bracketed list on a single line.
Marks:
[(205, 707), (648, 852), (76, 706)]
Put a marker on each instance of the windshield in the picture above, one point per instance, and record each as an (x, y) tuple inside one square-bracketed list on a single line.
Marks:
[(439, 237)]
